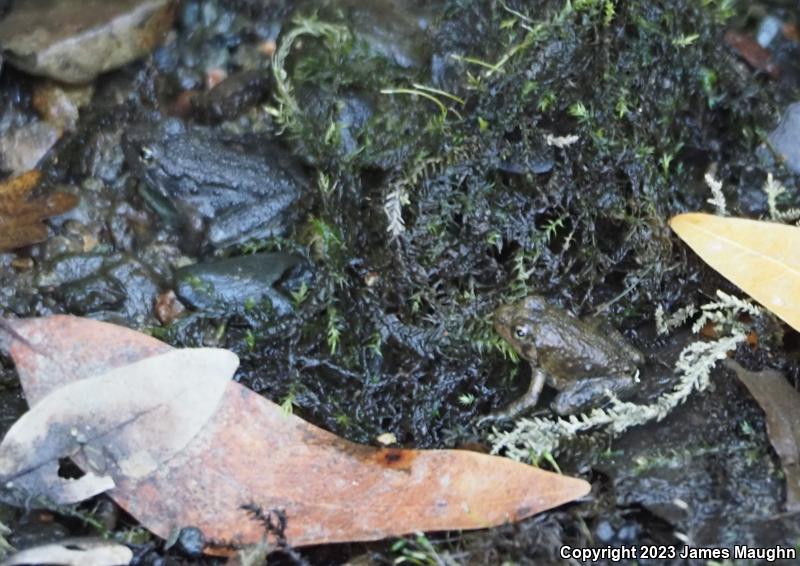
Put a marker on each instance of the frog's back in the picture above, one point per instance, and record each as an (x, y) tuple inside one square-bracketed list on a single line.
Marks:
[(578, 349)]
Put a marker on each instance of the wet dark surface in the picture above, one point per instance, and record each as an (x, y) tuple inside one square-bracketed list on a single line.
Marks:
[(368, 332)]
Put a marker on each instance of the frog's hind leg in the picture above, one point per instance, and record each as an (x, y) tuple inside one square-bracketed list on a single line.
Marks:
[(528, 400), (585, 394)]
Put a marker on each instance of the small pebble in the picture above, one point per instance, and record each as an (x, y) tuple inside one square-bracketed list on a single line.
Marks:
[(785, 139), (168, 308), (768, 29), (191, 542), (629, 533), (605, 532), (22, 263)]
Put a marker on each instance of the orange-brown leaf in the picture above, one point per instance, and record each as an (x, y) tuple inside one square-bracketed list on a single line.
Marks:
[(15, 235), (16, 190), (252, 453), (21, 217)]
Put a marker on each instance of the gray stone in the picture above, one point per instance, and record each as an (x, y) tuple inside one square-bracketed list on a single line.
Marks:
[(75, 40), (785, 139), (768, 29), (22, 147), (236, 283), (70, 268)]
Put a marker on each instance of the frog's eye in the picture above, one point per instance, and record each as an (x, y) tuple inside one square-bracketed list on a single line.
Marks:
[(146, 154), (521, 331)]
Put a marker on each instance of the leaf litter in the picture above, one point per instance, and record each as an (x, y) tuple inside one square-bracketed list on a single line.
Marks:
[(21, 217), (252, 455), (760, 257), (781, 405), (123, 423), (73, 552)]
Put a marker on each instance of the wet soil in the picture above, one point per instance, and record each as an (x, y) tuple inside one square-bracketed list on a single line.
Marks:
[(431, 197)]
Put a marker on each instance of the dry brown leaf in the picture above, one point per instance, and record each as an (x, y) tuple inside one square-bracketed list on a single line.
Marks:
[(751, 51), (762, 258), (122, 424), (253, 454), (21, 218), (781, 405)]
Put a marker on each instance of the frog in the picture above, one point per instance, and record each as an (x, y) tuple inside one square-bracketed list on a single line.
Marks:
[(584, 359), (217, 189)]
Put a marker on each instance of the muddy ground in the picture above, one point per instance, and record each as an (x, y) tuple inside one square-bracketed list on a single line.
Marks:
[(417, 211)]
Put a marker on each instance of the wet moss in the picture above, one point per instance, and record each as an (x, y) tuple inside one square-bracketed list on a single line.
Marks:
[(437, 197), (457, 154)]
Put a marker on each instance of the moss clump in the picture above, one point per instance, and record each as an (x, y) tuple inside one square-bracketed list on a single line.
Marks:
[(545, 149)]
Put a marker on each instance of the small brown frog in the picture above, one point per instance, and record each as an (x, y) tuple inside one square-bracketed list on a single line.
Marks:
[(581, 358)]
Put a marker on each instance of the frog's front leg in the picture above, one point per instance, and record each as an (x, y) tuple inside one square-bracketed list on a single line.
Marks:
[(586, 394), (527, 401)]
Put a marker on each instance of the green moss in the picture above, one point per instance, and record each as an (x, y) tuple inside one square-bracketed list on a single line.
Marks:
[(481, 209)]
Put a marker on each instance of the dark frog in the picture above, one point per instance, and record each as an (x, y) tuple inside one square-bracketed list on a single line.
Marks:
[(219, 192), (583, 359)]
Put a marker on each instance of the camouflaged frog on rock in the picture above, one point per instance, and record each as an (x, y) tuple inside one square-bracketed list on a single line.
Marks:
[(219, 192), (583, 359)]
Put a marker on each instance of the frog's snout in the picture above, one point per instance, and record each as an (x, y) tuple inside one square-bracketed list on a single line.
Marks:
[(502, 320)]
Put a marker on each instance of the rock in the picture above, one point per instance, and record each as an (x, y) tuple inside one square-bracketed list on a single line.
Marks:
[(168, 308), (22, 147), (353, 114), (215, 76), (59, 105), (785, 138), (70, 268), (233, 95), (75, 40), (390, 29), (768, 29), (106, 286), (141, 286), (75, 239), (85, 236), (91, 295), (22, 263), (236, 284), (604, 531), (191, 542)]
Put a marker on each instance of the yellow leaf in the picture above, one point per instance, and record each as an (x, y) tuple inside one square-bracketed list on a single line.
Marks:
[(762, 258)]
